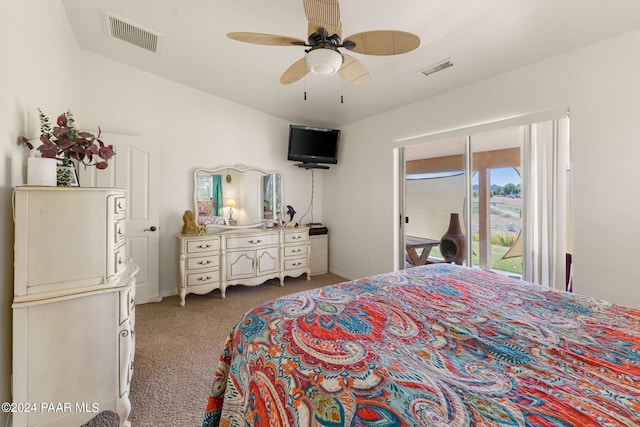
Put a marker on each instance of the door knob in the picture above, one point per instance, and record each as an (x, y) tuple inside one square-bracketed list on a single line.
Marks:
[(152, 228)]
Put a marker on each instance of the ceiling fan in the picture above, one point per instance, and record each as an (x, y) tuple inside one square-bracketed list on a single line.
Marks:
[(323, 56)]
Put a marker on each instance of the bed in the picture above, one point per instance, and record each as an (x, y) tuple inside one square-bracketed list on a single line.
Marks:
[(438, 345)]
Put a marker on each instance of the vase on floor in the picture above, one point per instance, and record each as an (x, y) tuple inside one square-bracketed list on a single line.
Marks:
[(452, 243)]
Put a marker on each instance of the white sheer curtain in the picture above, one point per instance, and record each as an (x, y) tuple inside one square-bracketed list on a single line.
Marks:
[(545, 157)]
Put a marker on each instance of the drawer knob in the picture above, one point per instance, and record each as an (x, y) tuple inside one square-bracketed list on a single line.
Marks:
[(205, 262), (255, 241), (296, 237), (202, 279), (204, 246), (295, 251), (295, 264)]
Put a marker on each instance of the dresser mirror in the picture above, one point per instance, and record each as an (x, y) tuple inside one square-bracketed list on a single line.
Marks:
[(237, 197)]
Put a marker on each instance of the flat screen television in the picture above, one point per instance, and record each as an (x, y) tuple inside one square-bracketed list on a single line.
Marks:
[(313, 145)]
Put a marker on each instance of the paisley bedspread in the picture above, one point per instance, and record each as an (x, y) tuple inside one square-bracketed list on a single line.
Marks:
[(440, 345)]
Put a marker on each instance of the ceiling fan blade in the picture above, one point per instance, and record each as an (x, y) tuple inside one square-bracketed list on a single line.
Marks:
[(265, 39), (323, 14), (355, 72), (383, 42), (295, 72)]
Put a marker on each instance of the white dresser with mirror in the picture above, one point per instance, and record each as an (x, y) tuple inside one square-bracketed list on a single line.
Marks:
[(244, 242)]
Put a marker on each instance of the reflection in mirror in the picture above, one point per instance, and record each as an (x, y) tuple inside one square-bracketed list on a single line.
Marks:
[(237, 196), (271, 196)]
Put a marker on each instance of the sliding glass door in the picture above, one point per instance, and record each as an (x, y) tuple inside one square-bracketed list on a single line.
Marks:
[(434, 194), (496, 214), (515, 181)]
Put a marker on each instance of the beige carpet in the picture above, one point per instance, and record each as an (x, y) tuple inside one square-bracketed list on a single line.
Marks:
[(177, 350)]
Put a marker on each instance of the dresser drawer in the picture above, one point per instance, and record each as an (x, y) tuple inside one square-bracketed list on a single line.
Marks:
[(119, 205), (119, 232), (203, 278), (211, 261), (295, 251), (127, 305), (252, 241), (120, 258), (296, 236), (207, 245), (292, 264)]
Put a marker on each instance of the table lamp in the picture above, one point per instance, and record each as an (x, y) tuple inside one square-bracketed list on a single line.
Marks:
[(231, 203)]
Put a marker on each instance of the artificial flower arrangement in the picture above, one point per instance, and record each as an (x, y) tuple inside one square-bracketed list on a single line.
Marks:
[(64, 142)]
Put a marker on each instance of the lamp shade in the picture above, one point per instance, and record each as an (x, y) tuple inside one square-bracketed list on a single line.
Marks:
[(324, 61), (230, 203)]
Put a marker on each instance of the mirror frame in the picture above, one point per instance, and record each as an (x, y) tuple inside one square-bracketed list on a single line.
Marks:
[(240, 169)]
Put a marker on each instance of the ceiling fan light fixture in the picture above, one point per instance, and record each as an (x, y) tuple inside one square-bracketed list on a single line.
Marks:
[(324, 61)]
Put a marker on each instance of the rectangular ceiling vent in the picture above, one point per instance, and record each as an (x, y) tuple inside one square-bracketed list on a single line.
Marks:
[(438, 67), (129, 32)]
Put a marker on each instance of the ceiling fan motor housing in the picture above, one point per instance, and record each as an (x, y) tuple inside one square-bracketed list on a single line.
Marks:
[(322, 38)]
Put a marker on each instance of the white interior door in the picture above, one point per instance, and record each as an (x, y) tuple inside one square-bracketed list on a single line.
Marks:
[(135, 168)]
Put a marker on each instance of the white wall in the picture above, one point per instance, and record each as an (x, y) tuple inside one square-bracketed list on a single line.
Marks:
[(38, 53), (599, 84), (194, 130)]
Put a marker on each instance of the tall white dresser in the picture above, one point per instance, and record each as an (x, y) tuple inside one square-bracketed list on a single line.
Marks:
[(73, 306)]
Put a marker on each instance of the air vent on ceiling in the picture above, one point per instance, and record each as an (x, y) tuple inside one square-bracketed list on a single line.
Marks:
[(438, 67), (132, 33)]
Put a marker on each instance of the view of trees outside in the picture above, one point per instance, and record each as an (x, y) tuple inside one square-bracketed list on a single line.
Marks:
[(509, 190), (505, 217)]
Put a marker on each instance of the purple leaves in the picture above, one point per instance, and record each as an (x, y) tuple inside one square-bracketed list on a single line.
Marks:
[(62, 120), (24, 141), (65, 142)]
